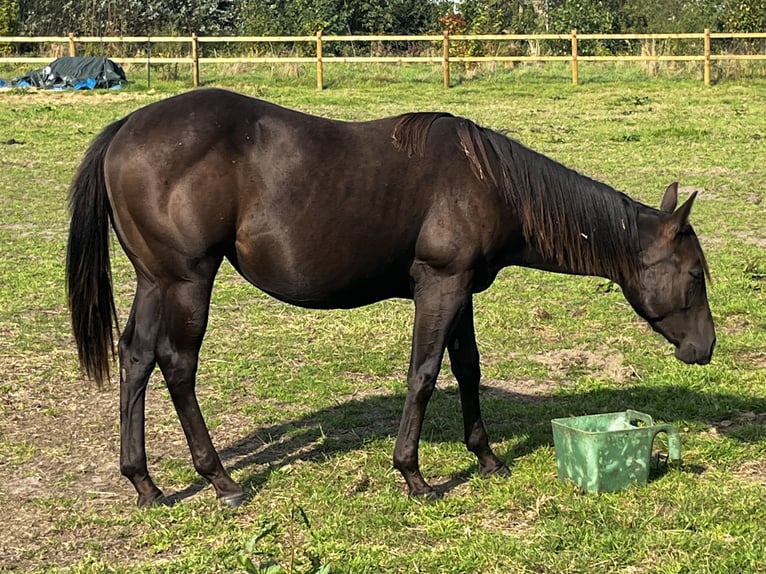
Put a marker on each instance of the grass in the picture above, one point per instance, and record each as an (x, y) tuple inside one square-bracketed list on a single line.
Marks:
[(304, 405)]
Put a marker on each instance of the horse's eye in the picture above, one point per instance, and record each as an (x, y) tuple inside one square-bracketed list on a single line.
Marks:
[(696, 274)]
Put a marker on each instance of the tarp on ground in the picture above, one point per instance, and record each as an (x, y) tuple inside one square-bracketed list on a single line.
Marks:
[(75, 72)]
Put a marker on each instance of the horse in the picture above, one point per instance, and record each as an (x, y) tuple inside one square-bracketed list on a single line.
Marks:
[(323, 214)]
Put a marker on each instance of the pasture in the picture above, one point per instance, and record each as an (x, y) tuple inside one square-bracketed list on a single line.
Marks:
[(304, 405)]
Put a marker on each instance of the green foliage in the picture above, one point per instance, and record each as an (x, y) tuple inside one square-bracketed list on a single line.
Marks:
[(9, 17), (303, 558), (307, 17), (671, 16), (586, 16), (744, 15), (129, 17), (9, 23), (486, 16), (302, 17)]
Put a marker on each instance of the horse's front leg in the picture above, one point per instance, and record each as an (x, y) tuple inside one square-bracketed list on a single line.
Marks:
[(439, 300), (464, 360)]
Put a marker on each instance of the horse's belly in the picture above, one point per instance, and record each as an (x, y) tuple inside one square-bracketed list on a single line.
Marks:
[(323, 275)]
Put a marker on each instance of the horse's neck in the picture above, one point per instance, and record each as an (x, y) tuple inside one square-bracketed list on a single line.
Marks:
[(597, 237), (534, 260)]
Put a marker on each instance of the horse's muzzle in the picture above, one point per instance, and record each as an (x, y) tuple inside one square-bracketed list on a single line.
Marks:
[(694, 354)]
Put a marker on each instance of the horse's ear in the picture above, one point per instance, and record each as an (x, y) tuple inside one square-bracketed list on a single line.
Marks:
[(680, 217), (670, 199)]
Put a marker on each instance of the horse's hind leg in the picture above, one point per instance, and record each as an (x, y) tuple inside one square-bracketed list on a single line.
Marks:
[(185, 306), (137, 360), (464, 361)]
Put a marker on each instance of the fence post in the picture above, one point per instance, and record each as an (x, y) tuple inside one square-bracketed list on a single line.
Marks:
[(575, 70), (148, 62), (195, 60), (706, 69), (320, 71), (445, 57), (71, 45)]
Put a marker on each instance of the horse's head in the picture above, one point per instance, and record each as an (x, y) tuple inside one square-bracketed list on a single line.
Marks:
[(670, 292)]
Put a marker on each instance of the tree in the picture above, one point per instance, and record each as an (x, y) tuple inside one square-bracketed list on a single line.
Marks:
[(10, 22), (744, 15), (671, 16), (586, 16), (301, 17), (127, 17)]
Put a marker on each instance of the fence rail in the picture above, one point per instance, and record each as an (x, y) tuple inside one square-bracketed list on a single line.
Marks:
[(445, 56)]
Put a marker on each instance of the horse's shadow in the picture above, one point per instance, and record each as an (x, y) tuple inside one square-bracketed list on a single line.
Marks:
[(349, 425)]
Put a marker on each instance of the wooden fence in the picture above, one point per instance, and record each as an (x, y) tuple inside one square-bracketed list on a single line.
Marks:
[(447, 55)]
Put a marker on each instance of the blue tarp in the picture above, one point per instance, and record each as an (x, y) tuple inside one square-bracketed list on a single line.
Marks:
[(74, 73)]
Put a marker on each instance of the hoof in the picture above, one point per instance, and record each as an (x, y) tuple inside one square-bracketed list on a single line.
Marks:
[(433, 496), (152, 500), (427, 495), (234, 500), (500, 470)]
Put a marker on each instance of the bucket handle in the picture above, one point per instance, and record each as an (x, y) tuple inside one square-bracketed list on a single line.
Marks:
[(674, 440)]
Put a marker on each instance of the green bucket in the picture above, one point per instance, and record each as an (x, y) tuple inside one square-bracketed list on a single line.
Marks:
[(609, 452)]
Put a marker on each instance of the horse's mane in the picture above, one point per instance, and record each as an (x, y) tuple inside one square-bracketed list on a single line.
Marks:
[(411, 131), (579, 223)]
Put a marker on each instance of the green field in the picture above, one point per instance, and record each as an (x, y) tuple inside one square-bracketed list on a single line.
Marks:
[(304, 405)]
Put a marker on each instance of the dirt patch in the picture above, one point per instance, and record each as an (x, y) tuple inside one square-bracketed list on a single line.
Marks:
[(735, 425), (742, 419), (41, 535), (709, 172), (606, 364), (525, 391), (59, 475), (751, 237), (31, 230), (563, 365), (756, 359), (687, 190), (753, 470), (68, 97), (734, 324), (754, 198)]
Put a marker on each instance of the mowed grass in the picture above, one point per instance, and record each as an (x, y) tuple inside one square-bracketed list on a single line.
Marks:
[(304, 405)]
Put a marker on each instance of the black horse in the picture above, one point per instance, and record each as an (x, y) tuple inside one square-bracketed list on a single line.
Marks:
[(329, 214)]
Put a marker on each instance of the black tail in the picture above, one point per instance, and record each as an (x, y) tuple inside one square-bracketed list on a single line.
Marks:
[(88, 270)]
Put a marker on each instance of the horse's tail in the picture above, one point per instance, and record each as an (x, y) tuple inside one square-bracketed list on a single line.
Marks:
[(88, 270)]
